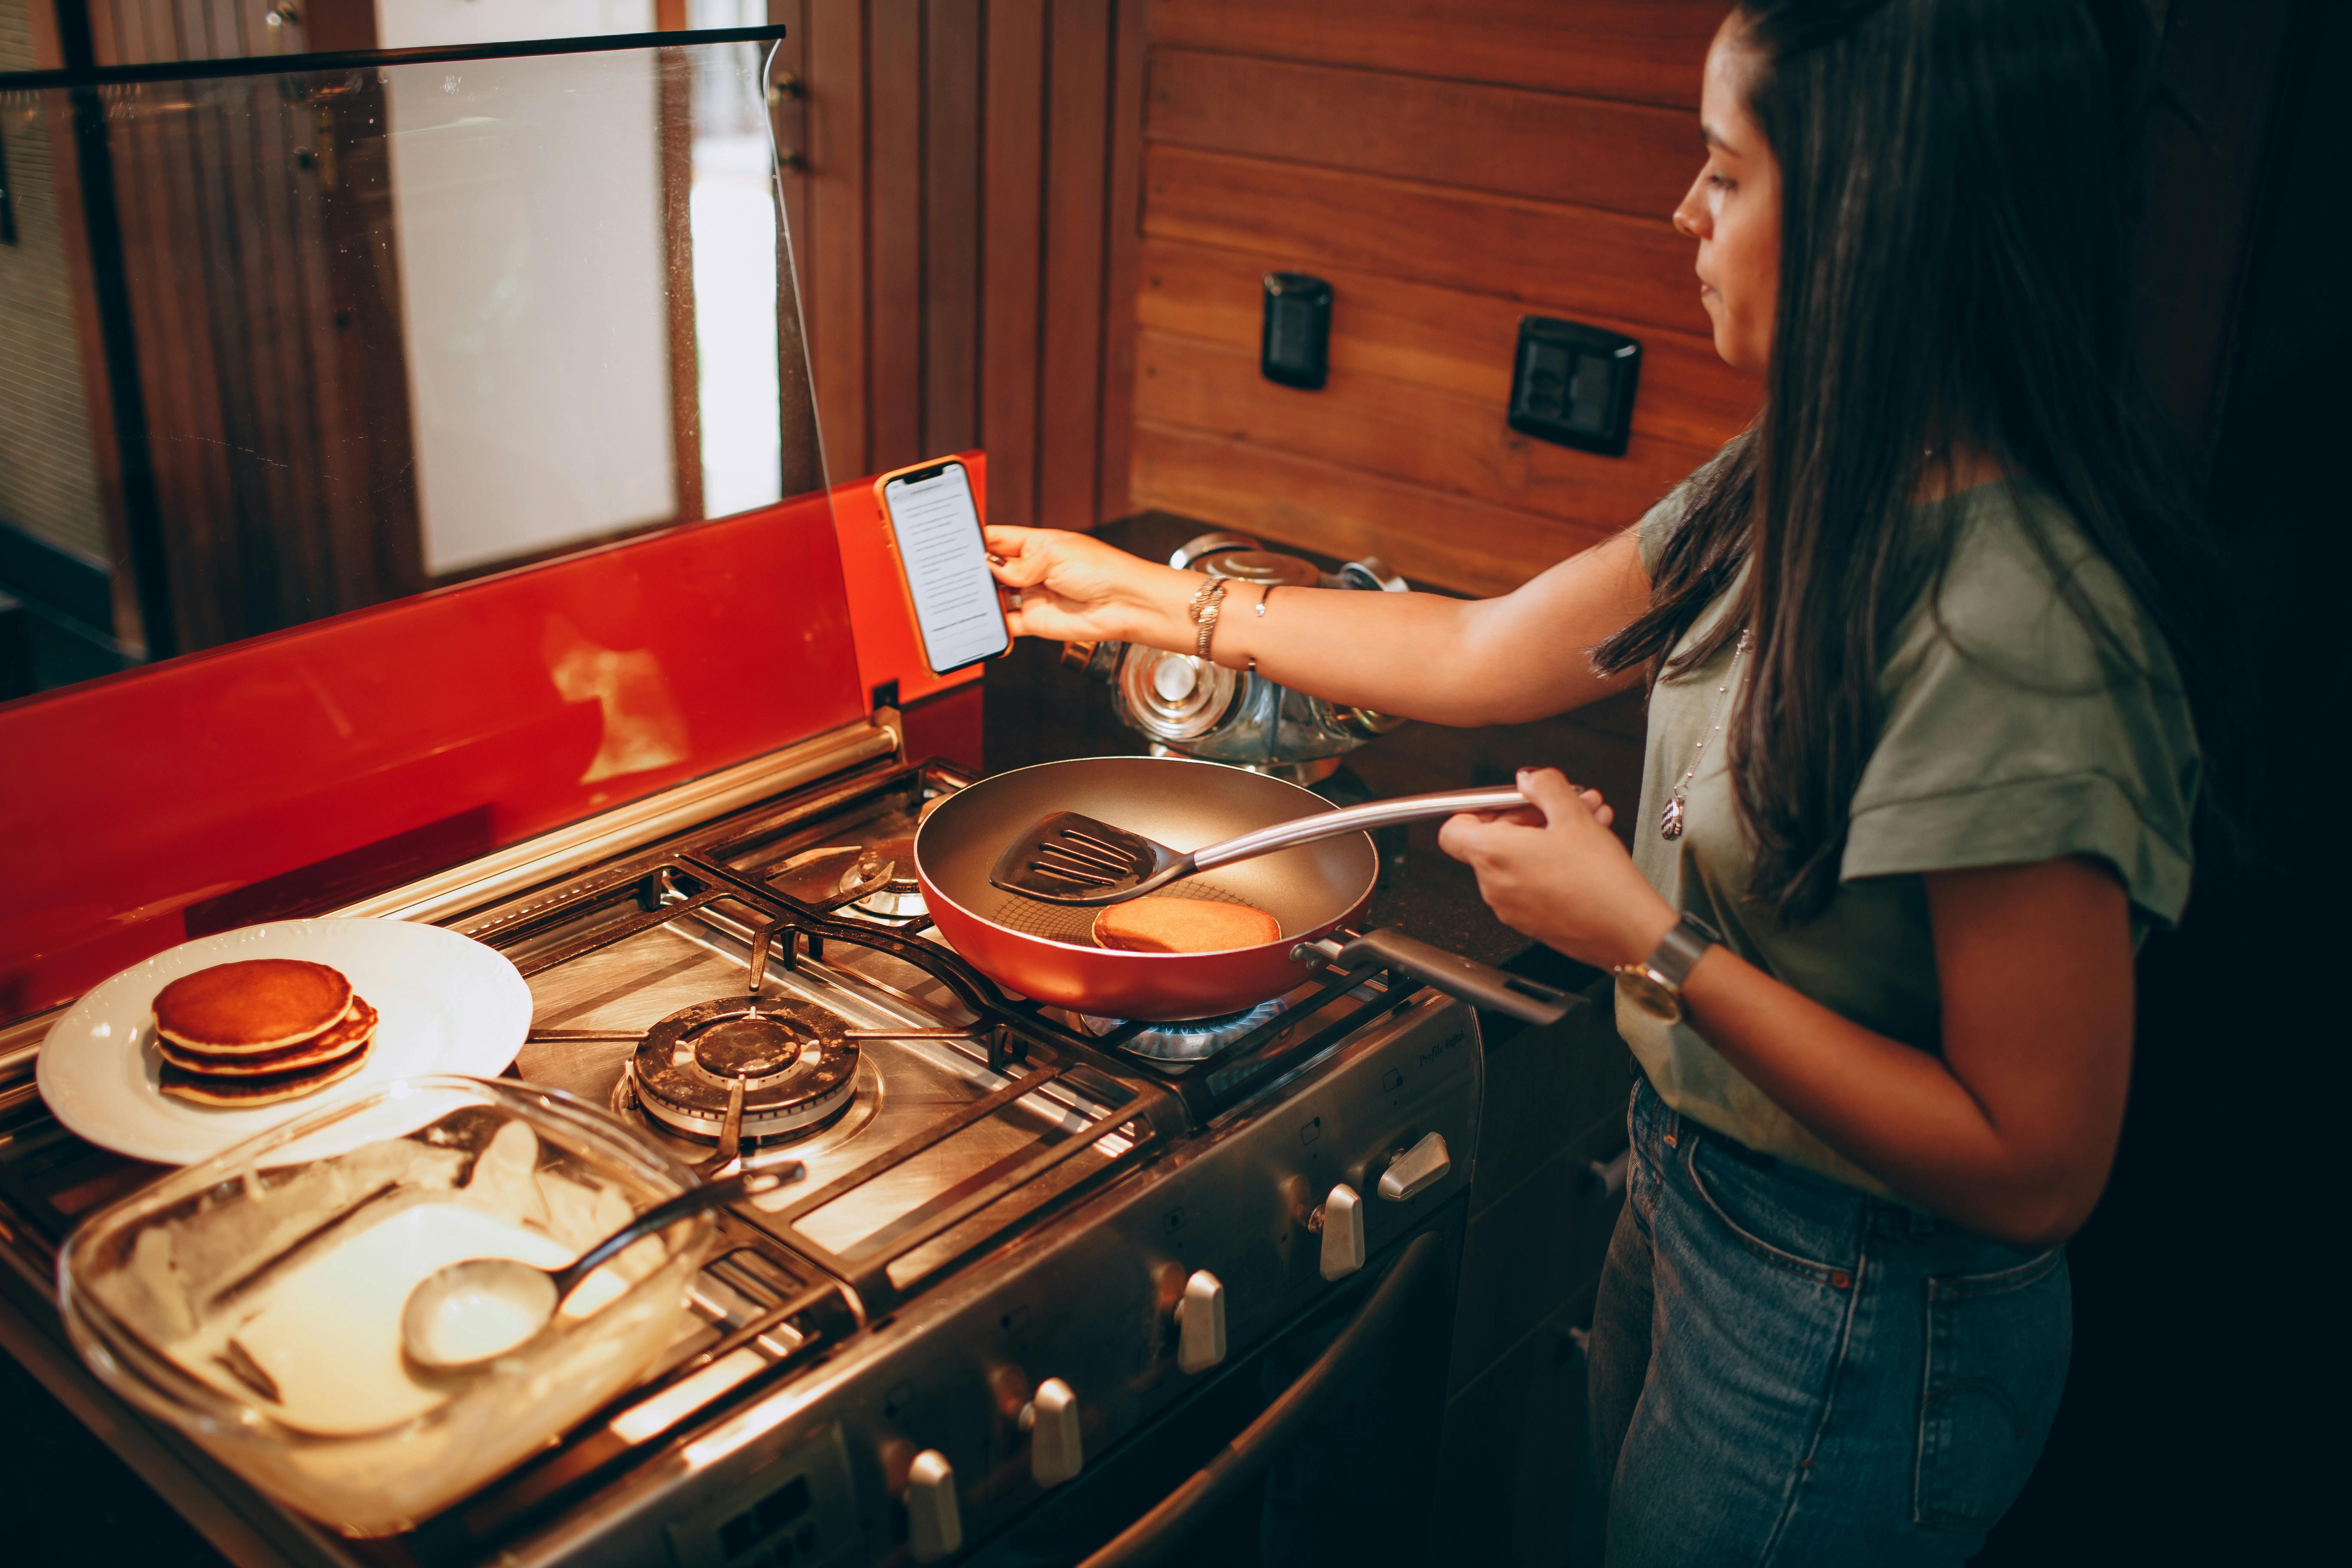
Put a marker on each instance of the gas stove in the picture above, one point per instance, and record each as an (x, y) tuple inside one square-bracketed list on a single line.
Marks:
[(1025, 1235)]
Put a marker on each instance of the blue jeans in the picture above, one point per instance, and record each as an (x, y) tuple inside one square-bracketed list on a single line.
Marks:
[(1785, 1370)]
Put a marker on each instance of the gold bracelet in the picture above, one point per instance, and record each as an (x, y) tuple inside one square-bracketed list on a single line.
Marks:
[(1208, 604)]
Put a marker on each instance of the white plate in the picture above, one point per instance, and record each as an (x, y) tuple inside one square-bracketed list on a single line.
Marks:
[(448, 1004)]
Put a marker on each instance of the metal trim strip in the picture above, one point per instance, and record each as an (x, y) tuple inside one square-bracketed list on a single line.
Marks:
[(564, 850), (361, 59)]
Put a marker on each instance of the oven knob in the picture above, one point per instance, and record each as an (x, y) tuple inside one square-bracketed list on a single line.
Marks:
[(1416, 1170), (934, 1522), (1341, 1222), (1051, 1419), (1201, 1322)]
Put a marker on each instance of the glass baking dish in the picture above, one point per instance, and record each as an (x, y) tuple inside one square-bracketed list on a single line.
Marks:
[(253, 1300)]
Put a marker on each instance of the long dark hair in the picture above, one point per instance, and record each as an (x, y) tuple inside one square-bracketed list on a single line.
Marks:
[(1957, 194)]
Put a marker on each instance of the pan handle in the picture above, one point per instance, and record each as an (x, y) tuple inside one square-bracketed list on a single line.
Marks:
[(1354, 819), (1480, 985)]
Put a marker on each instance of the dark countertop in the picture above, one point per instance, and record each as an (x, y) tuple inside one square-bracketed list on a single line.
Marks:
[(1038, 711)]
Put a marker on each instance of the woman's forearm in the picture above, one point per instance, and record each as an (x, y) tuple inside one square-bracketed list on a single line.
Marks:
[(1514, 658), (1414, 655), (1421, 655)]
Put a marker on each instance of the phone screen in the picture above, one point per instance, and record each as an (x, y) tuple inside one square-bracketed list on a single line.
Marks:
[(946, 562)]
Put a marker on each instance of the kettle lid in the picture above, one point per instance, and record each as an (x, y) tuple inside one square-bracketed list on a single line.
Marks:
[(1241, 559), (1263, 566)]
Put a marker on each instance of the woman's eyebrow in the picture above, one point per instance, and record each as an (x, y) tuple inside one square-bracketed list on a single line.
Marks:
[(1709, 136)]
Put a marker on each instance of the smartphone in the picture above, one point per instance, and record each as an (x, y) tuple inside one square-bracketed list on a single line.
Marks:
[(933, 525)]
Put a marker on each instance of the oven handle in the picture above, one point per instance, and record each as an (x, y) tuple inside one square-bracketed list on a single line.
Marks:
[(1160, 1531)]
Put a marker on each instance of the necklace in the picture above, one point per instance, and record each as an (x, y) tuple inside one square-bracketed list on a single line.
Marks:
[(1670, 821)]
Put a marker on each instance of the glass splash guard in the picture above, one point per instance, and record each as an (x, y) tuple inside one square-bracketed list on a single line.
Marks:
[(371, 324)]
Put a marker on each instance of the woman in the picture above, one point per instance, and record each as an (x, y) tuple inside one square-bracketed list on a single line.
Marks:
[(1920, 772)]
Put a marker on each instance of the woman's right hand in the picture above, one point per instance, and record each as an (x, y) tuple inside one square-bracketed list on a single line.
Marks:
[(1072, 588)]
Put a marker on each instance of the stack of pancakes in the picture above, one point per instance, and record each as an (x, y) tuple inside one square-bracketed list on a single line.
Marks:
[(260, 1031)]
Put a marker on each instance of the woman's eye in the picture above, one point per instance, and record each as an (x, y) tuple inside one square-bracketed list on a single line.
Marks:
[(1721, 184)]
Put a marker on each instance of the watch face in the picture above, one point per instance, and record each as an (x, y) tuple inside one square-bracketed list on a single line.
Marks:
[(1645, 992)]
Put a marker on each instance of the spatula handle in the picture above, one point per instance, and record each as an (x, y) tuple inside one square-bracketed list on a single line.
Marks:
[(1355, 819)]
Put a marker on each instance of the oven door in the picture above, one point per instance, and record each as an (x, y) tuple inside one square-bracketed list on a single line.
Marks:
[(1319, 1448)]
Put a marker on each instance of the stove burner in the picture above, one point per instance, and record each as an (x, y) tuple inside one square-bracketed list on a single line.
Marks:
[(901, 897), (797, 1068), (1194, 1039)]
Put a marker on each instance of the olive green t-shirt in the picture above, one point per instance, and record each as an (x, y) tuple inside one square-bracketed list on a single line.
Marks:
[(2010, 735)]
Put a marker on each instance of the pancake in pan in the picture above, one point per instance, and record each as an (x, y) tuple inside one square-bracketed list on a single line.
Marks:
[(355, 1030), (1183, 925), (265, 1089), (256, 1004)]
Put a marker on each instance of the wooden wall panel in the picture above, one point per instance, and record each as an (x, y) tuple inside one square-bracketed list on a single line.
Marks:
[(896, 194), (803, 443), (1123, 262), (1629, 158), (967, 217), (1637, 51), (1012, 246), (836, 286), (952, 161), (1069, 392), (1428, 535), (1441, 440), (1637, 269), (1446, 339), (1450, 170), (788, 117)]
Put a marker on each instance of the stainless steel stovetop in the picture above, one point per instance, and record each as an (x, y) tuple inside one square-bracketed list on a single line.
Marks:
[(977, 1287)]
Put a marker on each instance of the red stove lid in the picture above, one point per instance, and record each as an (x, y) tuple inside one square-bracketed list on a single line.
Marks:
[(408, 737)]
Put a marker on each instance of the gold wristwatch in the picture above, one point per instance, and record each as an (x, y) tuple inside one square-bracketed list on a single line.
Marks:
[(1655, 984)]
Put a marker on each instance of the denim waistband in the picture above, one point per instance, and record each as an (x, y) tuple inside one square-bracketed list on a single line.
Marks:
[(1651, 1116)]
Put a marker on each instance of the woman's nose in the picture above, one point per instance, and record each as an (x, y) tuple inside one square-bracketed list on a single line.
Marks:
[(1689, 211)]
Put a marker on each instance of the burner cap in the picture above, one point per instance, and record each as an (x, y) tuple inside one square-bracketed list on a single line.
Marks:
[(754, 1047), (796, 1066), (902, 897)]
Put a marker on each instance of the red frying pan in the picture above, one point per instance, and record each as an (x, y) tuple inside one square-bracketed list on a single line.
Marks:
[(1046, 952)]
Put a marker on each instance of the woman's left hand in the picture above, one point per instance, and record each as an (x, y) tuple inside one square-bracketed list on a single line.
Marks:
[(1562, 877)]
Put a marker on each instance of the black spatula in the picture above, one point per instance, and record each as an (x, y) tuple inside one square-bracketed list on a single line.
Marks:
[(1070, 858)]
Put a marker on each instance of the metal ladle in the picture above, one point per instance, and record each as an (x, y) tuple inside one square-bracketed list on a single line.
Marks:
[(472, 1311)]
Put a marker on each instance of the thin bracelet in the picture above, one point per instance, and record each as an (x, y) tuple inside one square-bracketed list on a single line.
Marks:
[(1263, 594)]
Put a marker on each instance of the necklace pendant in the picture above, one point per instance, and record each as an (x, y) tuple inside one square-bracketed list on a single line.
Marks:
[(1670, 822)]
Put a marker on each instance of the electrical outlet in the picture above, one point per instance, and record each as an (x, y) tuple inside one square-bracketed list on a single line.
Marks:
[(1574, 385)]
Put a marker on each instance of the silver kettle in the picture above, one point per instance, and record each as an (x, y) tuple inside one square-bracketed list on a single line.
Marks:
[(1190, 707)]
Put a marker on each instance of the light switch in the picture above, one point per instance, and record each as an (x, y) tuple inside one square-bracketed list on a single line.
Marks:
[(1296, 345)]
